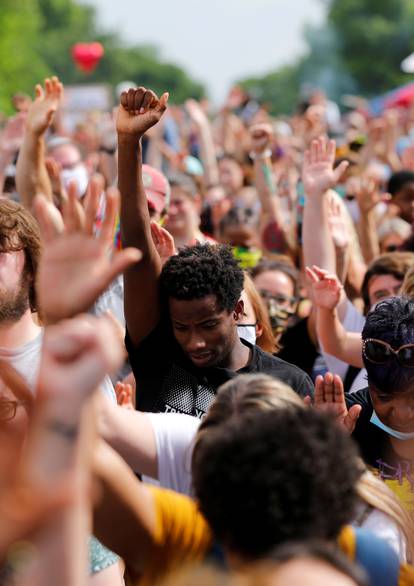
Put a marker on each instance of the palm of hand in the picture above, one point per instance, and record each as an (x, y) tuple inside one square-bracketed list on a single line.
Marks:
[(40, 114), (72, 275), (318, 177), (326, 294)]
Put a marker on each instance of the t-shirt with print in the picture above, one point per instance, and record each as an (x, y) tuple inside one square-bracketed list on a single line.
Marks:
[(377, 452), (168, 382)]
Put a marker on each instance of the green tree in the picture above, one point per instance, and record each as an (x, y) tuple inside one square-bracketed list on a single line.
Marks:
[(374, 36)]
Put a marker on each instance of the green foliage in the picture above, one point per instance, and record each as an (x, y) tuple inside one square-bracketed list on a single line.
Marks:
[(374, 36), (36, 40), (358, 49), (278, 90)]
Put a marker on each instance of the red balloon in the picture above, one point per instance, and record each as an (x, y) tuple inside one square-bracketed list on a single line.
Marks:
[(87, 55)]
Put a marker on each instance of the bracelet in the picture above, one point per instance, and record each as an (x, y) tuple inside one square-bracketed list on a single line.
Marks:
[(267, 154), (68, 431)]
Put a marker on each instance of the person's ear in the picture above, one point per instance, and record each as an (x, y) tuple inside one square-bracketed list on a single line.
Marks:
[(259, 330), (238, 310)]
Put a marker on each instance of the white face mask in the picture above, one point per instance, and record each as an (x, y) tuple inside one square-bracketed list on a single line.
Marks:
[(247, 332), (393, 432), (78, 174)]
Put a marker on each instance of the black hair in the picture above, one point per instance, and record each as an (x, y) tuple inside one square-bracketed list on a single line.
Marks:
[(268, 477), (201, 270), (391, 321), (323, 552), (398, 180)]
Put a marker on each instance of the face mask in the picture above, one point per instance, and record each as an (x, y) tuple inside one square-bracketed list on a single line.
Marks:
[(247, 332), (394, 433), (78, 174), (279, 318)]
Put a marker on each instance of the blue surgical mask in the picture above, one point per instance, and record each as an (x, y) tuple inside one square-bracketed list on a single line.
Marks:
[(393, 432), (247, 332)]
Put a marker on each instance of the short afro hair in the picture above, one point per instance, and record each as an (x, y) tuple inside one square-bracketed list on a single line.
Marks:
[(398, 180), (269, 477), (392, 321), (201, 270)]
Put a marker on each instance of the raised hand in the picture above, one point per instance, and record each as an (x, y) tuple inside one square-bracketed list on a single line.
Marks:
[(42, 110), (76, 355), (330, 397), (326, 288), (367, 194), (124, 394), (164, 242), (318, 173), (12, 136), (75, 267), (196, 113), (140, 109), (261, 137)]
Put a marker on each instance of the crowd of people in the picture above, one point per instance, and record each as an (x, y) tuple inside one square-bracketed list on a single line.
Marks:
[(206, 344)]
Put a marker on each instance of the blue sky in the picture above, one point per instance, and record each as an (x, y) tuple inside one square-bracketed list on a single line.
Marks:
[(217, 41)]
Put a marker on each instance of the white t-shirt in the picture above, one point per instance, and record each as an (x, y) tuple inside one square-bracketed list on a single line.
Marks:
[(353, 321), (26, 360), (174, 437), (384, 527)]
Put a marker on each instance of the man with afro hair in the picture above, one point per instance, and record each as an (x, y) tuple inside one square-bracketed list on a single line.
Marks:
[(182, 318)]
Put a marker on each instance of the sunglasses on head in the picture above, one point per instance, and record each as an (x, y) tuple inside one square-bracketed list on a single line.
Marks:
[(380, 352)]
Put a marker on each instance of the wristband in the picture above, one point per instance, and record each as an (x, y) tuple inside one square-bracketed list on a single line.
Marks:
[(267, 154)]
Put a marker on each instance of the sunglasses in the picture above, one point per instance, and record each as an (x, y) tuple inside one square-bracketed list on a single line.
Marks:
[(380, 352)]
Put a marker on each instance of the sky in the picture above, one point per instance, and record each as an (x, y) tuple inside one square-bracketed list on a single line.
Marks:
[(216, 41)]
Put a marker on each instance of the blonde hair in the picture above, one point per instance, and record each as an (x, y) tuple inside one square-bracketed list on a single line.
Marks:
[(266, 340), (407, 288), (376, 493)]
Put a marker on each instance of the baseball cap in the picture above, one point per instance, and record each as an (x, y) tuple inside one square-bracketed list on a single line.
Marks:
[(157, 188)]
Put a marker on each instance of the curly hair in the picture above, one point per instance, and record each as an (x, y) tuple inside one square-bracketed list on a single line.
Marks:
[(264, 478), (19, 230), (392, 321), (201, 270)]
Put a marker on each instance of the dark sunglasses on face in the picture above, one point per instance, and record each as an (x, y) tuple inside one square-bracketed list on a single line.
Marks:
[(380, 352)]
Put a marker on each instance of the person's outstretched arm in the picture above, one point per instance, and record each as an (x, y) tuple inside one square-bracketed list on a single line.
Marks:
[(205, 136), (271, 212), (140, 109), (319, 176), (333, 338), (31, 173)]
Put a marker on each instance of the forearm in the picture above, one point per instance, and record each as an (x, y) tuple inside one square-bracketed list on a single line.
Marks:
[(368, 237), (270, 205), (59, 449), (318, 246), (142, 306), (124, 516), (130, 433), (208, 155), (31, 173), (335, 340)]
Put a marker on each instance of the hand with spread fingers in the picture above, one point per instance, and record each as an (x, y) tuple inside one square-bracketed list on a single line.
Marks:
[(318, 173), (76, 266), (140, 109), (330, 397), (326, 287), (42, 109)]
